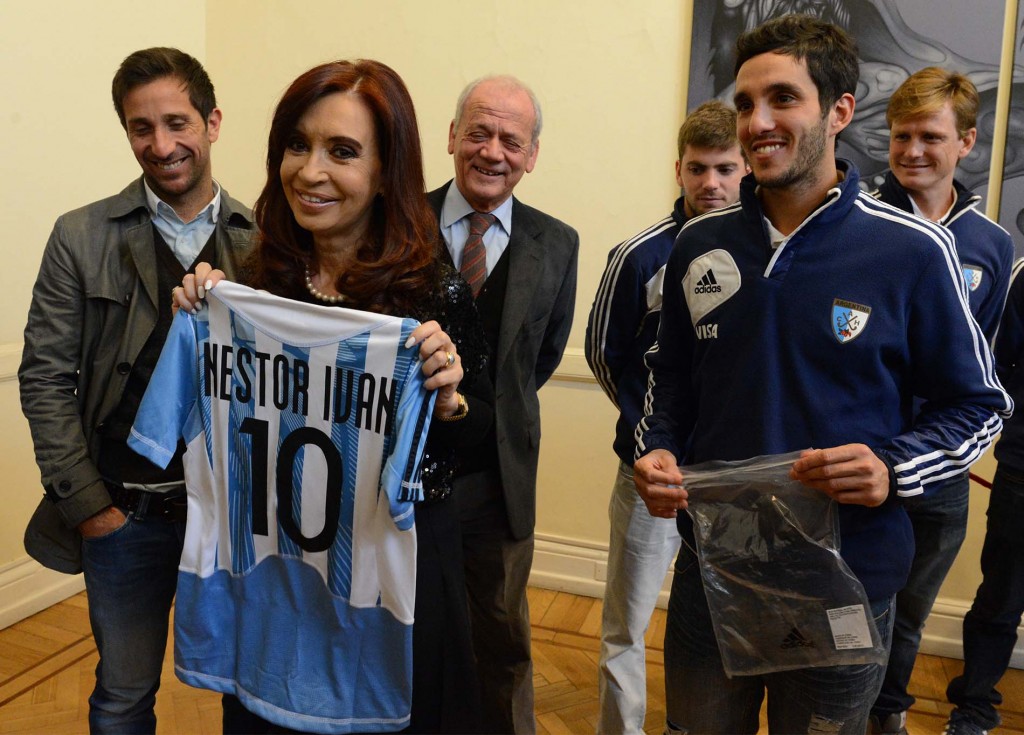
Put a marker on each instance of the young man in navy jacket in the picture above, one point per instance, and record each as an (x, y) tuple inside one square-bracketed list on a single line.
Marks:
[(622, 327), (932, 120), (990, 626), (832, 312)]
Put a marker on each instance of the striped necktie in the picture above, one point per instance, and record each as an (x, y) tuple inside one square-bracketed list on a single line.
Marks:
[(474, 257)]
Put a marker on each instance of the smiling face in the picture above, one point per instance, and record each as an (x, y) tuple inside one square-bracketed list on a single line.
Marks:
[(493, 144), (924, 151), (171, 142), (331, 170), (788, 140), (710, 178)]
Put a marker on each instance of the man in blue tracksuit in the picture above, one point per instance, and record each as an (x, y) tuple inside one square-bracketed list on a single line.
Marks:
[(622, 327), (990, 626), (932, 119), (808, 317)]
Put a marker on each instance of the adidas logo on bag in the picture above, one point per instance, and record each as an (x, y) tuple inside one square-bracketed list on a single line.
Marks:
[(707, 284), (796, 639)]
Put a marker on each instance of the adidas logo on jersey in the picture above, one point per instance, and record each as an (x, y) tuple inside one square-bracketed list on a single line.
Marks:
[(796, 639), (707, 284), (710, 281)]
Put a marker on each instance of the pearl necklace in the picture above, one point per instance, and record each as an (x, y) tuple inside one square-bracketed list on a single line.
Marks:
[(319, 295)]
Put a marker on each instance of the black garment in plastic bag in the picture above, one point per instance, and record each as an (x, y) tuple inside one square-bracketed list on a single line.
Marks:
[(780, 595)]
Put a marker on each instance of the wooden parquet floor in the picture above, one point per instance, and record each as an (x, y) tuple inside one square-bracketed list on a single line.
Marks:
[(47, 663)]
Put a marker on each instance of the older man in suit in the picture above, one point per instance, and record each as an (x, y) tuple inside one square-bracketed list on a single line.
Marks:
[(521, 264)]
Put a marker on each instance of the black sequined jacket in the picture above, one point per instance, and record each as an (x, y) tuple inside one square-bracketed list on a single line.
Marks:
[(454, 309)]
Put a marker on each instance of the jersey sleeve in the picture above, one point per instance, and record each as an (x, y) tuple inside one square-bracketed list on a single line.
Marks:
[(668, 409), (400, 479), (953, 370), (615, 317), (1009, 342), (990, 310), (170, 397)]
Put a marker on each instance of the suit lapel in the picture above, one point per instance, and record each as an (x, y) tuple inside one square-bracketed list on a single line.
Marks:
[(525, 257), (436, 201)]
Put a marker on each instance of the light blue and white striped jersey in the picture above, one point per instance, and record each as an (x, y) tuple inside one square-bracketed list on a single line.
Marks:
[(305, 427)]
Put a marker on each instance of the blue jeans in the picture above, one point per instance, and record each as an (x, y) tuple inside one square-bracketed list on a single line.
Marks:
[(641, 547), (990, 627), (130, 578), (700, 698), (940, 525)]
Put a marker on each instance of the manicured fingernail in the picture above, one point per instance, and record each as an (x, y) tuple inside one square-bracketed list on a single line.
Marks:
[(208, 285), (201, 291), (410, 342)]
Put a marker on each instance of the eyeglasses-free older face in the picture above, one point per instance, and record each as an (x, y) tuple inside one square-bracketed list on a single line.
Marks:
[(493, 145)]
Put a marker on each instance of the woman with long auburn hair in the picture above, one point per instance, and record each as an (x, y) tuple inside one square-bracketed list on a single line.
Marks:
[(394, 264), (343, 220)]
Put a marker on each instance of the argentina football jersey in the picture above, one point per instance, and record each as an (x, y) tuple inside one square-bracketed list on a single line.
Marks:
[(305, 427)]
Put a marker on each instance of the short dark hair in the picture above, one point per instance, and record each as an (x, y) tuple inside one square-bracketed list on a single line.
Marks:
[(148, 65), (712, 125), (829, 51)]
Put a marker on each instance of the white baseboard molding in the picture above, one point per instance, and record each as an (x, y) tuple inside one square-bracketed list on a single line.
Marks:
[(10, 358), (571, 565), (26, 587), (573, 367), (943, 632)]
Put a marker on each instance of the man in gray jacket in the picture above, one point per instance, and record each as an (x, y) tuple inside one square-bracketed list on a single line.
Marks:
[(101, 309)]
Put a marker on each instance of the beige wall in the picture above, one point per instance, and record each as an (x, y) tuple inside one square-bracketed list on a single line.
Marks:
[(610, 74), (609, 80), (63, 147)]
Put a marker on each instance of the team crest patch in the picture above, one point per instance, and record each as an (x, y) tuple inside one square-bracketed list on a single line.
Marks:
[(972, 275), (848, 319)]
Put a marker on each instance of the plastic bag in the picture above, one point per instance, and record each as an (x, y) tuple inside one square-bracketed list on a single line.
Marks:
[(780, 595)]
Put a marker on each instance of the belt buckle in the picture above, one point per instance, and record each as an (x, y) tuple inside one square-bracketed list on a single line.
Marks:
[(174, 508)]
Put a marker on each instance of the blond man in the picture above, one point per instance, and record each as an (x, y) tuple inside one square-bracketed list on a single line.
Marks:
[(932, 119)]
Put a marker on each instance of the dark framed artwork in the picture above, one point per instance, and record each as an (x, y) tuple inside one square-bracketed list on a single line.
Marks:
[(895, 38)]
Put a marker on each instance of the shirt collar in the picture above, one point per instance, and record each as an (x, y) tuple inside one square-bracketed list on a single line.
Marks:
[(159, 208), (456, 207), (774, 235), (917, 210)]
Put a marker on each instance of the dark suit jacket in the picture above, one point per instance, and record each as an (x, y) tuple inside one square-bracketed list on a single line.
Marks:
[(536, 317)]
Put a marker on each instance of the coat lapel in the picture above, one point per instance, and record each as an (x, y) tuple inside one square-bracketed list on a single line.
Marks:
[(132, 201), (140, 245), (525, 259)]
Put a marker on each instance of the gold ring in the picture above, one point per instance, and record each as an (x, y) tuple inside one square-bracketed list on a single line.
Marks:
[(451, 359)]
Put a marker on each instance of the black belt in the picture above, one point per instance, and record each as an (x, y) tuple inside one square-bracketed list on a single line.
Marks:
[(146, 506)]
